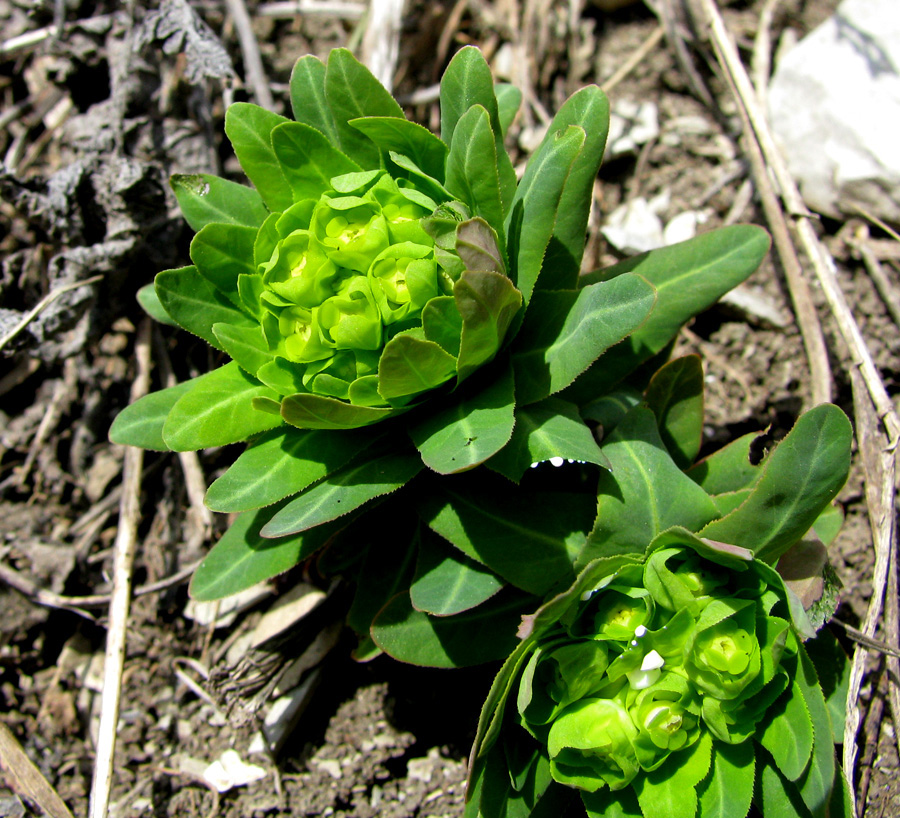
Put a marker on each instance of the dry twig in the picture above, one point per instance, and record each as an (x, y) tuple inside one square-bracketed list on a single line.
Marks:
[(253, 67), (125, 547), (381, 41), (26, 778)]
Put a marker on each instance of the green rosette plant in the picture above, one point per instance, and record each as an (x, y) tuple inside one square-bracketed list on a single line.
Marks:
[(403, 332), (674, 677)]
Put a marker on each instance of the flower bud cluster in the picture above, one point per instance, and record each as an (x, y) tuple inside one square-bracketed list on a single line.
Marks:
[(655, 654), (342, 275)]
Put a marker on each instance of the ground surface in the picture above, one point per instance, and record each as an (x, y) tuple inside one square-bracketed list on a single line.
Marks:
[(91, 129)]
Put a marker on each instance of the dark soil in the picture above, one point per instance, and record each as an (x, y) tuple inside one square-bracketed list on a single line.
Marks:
[(94, 121)]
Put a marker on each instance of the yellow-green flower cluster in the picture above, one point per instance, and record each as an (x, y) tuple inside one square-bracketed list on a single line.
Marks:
[(650, 658)]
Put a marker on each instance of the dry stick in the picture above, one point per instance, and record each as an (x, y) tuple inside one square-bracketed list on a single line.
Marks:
[(762, 50), (293, 8), (885, 289), (26, 779), (256, 75), (125, 547), (634, 60), (45, 302), (381, 40)]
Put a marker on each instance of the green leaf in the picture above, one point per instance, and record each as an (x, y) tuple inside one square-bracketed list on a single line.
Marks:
[(472, 166), (689, 277), (832, 667), (476, 245), (729, 790), (816, 783), (779, 797), (281, 463), (409, 366), (529, 538), (249, 128), (607, 411), (308, 101), (318, 412), (509, 100), (544, 430), (442, 323), (728, 469), (344, 491), (386, 570), (205, 199), (222, 252), (218, 411), (476, 424), (670, 791), (644, 494), (587, 108), (675, 395), (308, 160), (447, 582), (564, 332), (150, 303), (467, 82), (196, 305), (829, 523), (483, 634), (802, 476), (242, 557), (352, 91), (487, 303), (141, 423), (786, 731), (247, 346), (533, 212), (620, 804), (410, 139)]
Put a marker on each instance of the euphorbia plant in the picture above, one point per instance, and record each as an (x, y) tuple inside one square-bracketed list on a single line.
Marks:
[(409, 335)]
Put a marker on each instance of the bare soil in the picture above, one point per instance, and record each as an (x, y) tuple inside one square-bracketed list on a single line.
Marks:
[(93, 122)]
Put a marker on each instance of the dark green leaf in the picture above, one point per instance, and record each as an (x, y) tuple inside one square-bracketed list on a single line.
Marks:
[(409, 366), (802, 476), (390, 133), (467, 82), (608, 410), (196, 305), (222, 252), (141, 423), (308, 160), (205, 199), (608, 804), (689, 277), (728, 469), (344, 491), (509, 100), (833, 670), (487, 303), (786, 731), (675, 395), (644, 494), (533, 212), (218, 411), (352, 91), (529, 538), (472, 166), (476, 245), (544, 430), (318, 412), (779, 797), (483, 634), (729, 790), (308, 101), (816, 783), (246, 345), (150, 303), (242, 557), (476, 425), (249, 128), (564, 332), (587, 108), (447, 582), (281, 463)]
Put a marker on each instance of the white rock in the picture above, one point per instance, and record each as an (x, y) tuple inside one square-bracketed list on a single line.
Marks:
[(634, 227), (834, 103), (631, 124), (684, 226), (230, 770)]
